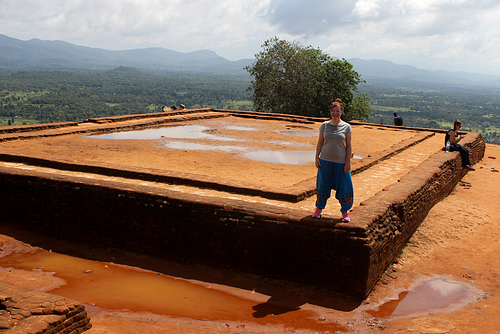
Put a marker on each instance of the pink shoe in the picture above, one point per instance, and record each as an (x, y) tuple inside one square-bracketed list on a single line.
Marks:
[(345, 217), (317, 213)]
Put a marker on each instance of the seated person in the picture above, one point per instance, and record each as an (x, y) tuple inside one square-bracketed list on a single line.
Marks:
[(453, 137)]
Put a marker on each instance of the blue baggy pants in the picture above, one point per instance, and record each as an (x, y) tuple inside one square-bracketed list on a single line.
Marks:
[(330, 177)]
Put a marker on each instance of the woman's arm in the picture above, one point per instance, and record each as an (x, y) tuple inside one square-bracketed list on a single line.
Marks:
[(348, 146), (319, 146), (454, 139)]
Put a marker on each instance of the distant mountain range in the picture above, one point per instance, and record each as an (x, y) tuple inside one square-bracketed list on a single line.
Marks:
[(37, 54), (388, 71)]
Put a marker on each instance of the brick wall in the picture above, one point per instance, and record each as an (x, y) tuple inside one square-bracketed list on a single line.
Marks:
[(394, 214), (248, 237), (26, 311)]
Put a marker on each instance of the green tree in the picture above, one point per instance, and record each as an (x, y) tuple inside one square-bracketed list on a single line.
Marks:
[(293, 79), (360, 108)]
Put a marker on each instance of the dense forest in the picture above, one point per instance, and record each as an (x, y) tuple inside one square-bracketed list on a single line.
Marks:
[(57, 96), (53, 96)]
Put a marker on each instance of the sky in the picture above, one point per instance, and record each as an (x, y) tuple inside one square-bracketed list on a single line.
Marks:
[(452, 35)]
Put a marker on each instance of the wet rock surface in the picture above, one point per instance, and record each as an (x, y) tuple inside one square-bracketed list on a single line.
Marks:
[(26, 311)]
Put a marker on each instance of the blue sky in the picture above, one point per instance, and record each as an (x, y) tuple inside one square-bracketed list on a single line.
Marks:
[(454, 35)]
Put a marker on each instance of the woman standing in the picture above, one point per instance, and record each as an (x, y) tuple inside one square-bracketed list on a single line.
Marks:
[(453, 137), (333, 160)]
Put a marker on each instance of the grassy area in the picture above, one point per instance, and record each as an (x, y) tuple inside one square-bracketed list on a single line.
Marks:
[(391, 109), (238, 105), (446, 125), (153, 108), (4, 121)]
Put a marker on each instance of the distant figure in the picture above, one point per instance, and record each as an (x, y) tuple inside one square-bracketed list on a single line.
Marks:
[(398, 120), (173, 107), (452, 138), (165, 109), (182, 107)]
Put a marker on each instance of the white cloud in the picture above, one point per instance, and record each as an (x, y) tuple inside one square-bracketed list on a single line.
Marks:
[(299, 17), (437, 34), (366, 9), (451, 35), (122, 24)]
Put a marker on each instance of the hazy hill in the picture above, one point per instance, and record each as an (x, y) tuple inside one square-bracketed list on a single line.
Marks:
[(37, 54), (383, 69)]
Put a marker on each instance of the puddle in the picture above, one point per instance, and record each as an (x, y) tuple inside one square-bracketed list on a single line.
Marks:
[(174, 132), (431, 295), (182, 145), (91, 309), (282, 157), (240, 128), (194, 131), (286, 157), (298, 133), (110, 287), (289, 143)]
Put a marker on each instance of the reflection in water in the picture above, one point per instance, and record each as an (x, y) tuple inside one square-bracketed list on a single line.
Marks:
[(182, 145), (106, 286), (240, 128), (109, 286), (299, 133), (176, 132), (194, 131), (285, 157), (282, 157), (429, 295), (289, 143)]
